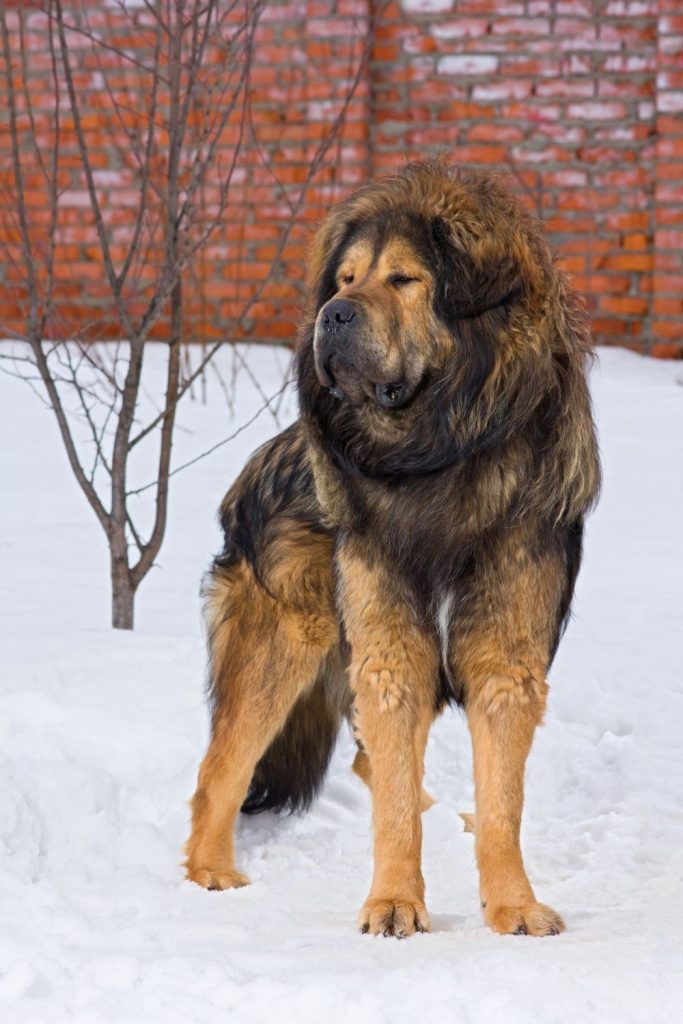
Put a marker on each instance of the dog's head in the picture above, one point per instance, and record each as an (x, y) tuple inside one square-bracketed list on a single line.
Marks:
[(377, 336), (434, 316)]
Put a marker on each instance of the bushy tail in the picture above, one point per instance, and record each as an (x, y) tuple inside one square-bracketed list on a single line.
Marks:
[(292, 770)]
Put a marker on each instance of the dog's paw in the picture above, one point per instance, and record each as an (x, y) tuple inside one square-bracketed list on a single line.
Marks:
[(530, 919), (216, 879), (396, 917)]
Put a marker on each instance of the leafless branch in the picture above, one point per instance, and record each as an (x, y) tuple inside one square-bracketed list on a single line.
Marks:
[(219, 444)]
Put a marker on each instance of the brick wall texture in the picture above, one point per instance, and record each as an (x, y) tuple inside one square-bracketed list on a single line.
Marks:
[(581, 101)]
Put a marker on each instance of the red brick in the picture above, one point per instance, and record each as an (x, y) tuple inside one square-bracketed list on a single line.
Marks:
[(561, 224), (669, 283), (532, 67), (600, 284), (627, 261), (668, 329), (625, 304), (574, 264), (481, 154), (667, 350), (627, 221), (488, 132), (668, 307), (456, 112), (607, 326)]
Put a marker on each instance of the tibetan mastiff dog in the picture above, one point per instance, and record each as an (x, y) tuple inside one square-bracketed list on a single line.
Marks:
[(411, 541)]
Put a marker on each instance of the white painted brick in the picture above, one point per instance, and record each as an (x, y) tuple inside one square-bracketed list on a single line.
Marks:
[(468, 64), (670, 102), (426, 6)]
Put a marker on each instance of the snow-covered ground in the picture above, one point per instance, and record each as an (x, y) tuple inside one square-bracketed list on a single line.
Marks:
[(101, 734)]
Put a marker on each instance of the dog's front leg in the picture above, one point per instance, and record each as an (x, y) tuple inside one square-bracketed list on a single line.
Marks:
[(502, 652), (502, 716), (393, 672)]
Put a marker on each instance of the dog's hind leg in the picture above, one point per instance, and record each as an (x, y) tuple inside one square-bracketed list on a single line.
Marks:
[(265, 658)]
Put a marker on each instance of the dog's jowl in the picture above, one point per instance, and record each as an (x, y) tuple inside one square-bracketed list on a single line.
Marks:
[(412, 540)]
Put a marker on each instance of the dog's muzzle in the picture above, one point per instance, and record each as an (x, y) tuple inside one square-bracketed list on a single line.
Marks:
[(343, 360)]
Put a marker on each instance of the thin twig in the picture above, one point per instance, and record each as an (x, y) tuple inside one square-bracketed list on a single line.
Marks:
[(215, 447)]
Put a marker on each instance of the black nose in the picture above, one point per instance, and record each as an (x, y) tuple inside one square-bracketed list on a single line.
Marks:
[(391, 396), (337, 315)]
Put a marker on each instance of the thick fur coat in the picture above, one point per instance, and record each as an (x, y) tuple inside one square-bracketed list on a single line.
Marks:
[(412, 540)]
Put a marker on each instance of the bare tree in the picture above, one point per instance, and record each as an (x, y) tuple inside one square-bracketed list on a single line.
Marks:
[(188, 81)]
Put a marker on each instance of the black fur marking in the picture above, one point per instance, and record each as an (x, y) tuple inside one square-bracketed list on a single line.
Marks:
[(327, 286), (283, 487), (426, 449), (573, 547), (449, 690), (465, 289)]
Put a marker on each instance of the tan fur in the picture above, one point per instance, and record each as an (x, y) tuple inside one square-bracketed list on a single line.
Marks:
[(260, 672), (409, 307), (391, 675), (503, 657), (361, 768)]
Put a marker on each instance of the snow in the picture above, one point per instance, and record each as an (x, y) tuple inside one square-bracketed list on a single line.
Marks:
[(101, 734)]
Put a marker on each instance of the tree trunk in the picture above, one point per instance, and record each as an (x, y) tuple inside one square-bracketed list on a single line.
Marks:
[(122, 596)]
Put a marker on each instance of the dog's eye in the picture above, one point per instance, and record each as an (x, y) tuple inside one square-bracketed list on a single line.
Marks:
[(400, 279), (347, 279)]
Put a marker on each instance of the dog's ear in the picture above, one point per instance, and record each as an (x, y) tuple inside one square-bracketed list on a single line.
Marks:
[(470, 284)]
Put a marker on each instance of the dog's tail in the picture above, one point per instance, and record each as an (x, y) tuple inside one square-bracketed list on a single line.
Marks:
[(293, 768)]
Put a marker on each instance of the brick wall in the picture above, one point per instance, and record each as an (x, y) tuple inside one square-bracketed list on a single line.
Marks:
[(580, 100), (584, 100)]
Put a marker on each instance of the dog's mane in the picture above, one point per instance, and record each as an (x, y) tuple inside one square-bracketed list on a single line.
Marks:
[(499, 386)]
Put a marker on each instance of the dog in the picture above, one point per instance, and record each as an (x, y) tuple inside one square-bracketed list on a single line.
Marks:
[(412, 541)]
